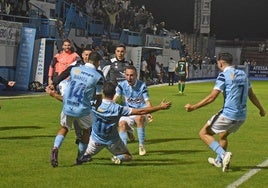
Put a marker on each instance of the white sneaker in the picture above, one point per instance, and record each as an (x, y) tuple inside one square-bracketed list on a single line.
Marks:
[(226, 161), (214, 162), (116, 160), (142, 150)]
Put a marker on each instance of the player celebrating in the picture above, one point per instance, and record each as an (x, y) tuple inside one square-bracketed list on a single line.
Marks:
[(114, 70), (135, 95), (236, 89), (105, 122), (85, 81)]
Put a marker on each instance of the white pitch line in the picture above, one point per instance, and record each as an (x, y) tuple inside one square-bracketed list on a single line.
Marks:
[(248, 175)]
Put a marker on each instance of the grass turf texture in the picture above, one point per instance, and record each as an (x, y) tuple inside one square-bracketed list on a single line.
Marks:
[(176, 157)]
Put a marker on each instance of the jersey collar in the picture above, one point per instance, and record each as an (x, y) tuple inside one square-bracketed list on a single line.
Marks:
[(90, 65)]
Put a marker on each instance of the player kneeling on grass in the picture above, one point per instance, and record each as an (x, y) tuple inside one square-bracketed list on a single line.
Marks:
[(236, 89), (105, 126)]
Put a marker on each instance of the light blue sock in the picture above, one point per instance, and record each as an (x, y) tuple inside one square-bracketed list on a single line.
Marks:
[(58, 141), (123, 136), (81, 149), (141, 135), (215, 146)]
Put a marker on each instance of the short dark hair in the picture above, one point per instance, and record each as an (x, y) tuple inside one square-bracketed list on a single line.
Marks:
[(120, 46), (66, 40), (225, 56), (87, 49), (109, 89), (95, 57), (132, 67)]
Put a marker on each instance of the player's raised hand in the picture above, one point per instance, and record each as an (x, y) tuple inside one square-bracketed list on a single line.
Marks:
[(262, 113), (188, 107), (165, 104)]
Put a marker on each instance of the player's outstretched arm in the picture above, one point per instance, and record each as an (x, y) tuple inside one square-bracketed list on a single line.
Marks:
[(253, 98), (163, 106), (149, 116), (207, 100)]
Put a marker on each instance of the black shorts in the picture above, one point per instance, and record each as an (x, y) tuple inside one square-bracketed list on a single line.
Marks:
[(182, 77)]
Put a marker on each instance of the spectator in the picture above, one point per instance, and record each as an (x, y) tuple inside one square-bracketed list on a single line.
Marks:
[(159, 72), (80, 49), (61, 61), (171, 71), (144, 69), (115, 68), (151, 64)]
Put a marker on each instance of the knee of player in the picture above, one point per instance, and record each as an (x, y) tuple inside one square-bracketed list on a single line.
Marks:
[(122, 125), (140, 119), (63, 131), (201, 133)]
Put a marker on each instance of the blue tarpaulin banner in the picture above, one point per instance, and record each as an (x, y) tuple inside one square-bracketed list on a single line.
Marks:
[(258, 72), (24, 60)]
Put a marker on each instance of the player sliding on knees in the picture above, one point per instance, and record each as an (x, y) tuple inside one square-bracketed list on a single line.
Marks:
[(105, 126)]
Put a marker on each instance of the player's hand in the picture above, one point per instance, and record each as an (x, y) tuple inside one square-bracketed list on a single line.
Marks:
[(49, 90), (11, 83), (165, 105), (262, 113), (150, 118), (51, 86), (188, 107)]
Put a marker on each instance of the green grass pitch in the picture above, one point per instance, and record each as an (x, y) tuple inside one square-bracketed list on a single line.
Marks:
[(176, 157)]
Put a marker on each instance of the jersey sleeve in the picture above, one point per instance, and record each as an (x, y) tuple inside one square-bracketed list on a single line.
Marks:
[(62, 76), (220, 82), (125, 111), (145, 93), (119, 89)]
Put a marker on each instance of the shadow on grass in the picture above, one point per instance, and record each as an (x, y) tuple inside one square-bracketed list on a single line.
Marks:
[(26, 137), (101, 161), (19, 127), (145, 161), (170, 152), (136, 162), (162, 140), (180, 95), (22, 137), (247, 168)]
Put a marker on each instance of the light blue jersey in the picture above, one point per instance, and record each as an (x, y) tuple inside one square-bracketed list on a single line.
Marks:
[(134, 96), (85, 81), (234, 84), (105, 121)]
